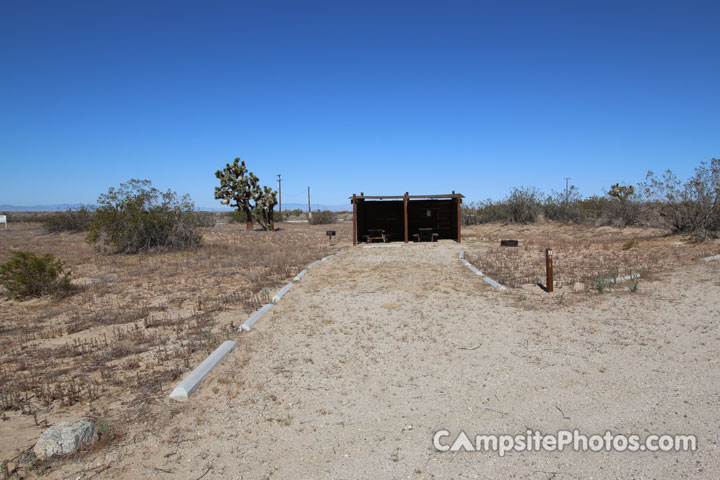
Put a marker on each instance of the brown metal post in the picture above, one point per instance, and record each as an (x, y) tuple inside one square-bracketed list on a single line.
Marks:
[(405, 202), (549, 269), (459, 218), (354, 219)]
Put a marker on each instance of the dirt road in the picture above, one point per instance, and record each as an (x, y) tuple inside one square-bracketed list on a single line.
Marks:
[(378, 348)]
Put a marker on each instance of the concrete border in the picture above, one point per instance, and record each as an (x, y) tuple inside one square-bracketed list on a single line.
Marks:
[(300, 275), (282, 292), (314, 263), (625, 278), (186, 387), (255, 317), (473, 269), (708, 259)]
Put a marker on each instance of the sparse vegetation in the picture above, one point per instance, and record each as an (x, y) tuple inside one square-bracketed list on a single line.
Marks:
[(141, 322), (26, 275), (600, 284), (68, 221), (137, 217), (690, 207), (322, 217)]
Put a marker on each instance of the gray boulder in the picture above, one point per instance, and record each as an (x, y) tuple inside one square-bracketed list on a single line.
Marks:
[(65, 438)]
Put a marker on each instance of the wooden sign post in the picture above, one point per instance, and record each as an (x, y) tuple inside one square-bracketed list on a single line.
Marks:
[(549, 270)]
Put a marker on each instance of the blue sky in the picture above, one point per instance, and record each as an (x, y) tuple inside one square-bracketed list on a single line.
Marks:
[(381, 97)]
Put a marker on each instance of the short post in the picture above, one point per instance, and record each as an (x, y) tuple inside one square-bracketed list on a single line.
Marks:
[(549, 270)]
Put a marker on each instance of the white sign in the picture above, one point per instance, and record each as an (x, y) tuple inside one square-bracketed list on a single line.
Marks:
[(3, 219)]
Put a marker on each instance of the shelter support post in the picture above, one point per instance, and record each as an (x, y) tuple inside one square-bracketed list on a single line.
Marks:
[(405, 215), (354, 202)]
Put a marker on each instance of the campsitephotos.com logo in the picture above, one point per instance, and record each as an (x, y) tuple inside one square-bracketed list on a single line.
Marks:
[(536, 441)]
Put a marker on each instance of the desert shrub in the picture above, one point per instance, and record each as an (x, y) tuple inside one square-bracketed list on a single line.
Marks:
[(27, 275), (137, 218), (294, 213), (522, 205), (68, 221), (477, 213), (625, 204), (563, 207), (322, 217), (205, 219), (692, 207), (236, 216)]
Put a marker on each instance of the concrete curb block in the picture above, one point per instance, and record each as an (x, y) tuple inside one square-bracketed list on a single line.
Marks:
[(314, 263), (282, 292), (300, 275), (255, 317), (493, 283), (626, 277), (325, 259), (714, 257), (182, 392), (473, 269)]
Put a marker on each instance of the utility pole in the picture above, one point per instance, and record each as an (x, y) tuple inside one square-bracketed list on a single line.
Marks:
[(280, 191), (309, 211), (567, 192)]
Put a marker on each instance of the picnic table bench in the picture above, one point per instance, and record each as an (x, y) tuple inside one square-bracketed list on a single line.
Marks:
[(376, 235), (426, 234)]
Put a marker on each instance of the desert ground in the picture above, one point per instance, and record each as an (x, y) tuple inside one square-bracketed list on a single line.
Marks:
[(368, 355)]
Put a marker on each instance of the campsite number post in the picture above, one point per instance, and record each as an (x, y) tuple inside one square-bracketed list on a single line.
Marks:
[(330, 234), (549, 269)]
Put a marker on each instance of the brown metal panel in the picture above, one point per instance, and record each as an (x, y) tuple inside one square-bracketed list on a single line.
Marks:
[(354, 202), (405, 215), (459, 219)]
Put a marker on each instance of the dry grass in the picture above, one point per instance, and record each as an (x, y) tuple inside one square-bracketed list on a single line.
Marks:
[(581, 253), (137, 322)]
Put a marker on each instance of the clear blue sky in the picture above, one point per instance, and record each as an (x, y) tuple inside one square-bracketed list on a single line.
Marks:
[(381, 97)]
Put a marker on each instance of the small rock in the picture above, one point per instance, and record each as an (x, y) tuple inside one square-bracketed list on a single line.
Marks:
[(65, 438), (578, 287)]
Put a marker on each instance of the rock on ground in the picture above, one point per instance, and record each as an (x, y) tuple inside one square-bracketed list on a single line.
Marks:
[(65, 438)]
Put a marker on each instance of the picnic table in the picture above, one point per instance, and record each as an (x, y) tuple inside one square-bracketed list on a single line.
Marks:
[(376, 234), (426, 234)]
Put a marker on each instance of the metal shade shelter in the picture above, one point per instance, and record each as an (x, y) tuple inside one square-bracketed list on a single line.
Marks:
[(403, 217)]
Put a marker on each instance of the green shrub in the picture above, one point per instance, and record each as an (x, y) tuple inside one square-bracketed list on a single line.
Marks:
[(322, 217), (138, 218), (68, 221), (600, 284), (26, 275), (236, 216)]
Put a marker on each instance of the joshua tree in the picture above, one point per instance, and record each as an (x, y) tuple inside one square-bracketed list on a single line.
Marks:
[(237, 186), (240, 188), (265, 201)]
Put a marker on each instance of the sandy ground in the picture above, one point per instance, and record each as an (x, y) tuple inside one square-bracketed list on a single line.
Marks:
[(375, 350)]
